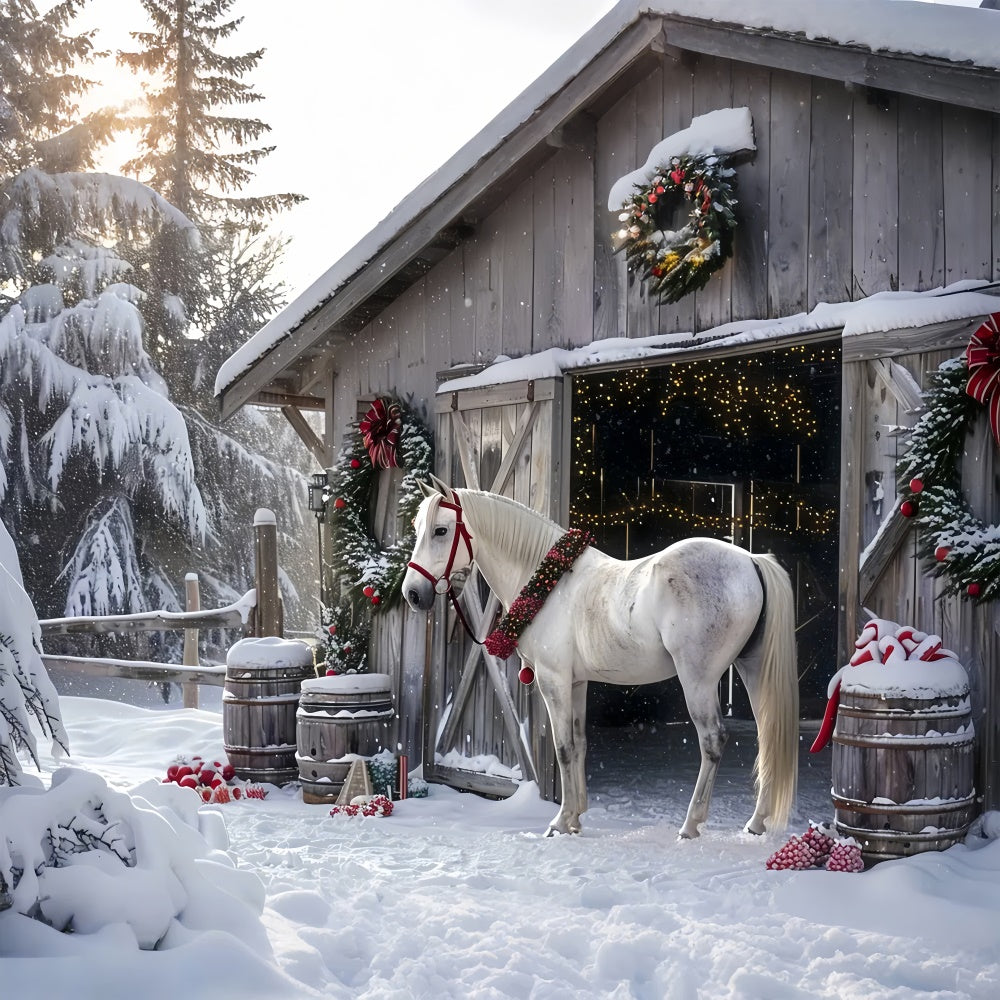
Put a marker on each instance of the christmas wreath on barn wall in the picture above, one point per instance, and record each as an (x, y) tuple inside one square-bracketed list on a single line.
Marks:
[(368, 576), (965, 550), (675, 263)]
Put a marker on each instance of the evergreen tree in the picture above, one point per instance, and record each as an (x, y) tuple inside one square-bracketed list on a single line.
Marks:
[(200, 306)]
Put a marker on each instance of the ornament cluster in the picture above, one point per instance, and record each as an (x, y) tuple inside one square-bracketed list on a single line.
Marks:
[(502, 641), (818, 847), (676, 263), (214, 780), (364, 805)]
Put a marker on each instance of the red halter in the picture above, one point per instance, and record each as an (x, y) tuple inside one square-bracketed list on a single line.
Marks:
[(442, 583)]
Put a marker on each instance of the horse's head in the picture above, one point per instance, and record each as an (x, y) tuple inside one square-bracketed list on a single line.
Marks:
[(443, 547)]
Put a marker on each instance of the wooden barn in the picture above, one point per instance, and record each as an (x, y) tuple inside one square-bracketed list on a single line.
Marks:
[(767, 406)]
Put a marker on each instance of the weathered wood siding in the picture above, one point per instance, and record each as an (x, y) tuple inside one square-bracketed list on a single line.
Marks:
[(849, 193), (904, 592)]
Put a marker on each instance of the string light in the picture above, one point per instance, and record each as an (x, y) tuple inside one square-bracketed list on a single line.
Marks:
[(737, 400)]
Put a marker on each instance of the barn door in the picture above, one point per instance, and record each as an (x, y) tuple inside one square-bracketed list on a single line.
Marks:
[(484, 730)]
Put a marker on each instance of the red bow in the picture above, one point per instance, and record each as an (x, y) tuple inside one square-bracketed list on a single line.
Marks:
[(982, 357), (380, 431)]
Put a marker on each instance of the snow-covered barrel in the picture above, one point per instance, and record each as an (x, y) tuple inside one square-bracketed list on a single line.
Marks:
[(339, 719), (263, 680), (903, 760)]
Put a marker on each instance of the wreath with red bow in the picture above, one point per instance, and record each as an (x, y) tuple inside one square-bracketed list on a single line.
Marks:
[(676, 263), (960, 546)]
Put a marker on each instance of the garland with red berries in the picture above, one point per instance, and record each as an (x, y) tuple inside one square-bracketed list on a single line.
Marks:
[(502, 641), (960, 546), (676, 263), (368, 577)]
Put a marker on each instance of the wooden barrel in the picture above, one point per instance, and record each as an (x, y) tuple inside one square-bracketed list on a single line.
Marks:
[(263, 680), (903, 771), (339, 720)]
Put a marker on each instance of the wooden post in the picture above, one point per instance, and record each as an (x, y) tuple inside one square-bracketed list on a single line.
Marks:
[(267, 620), (192, 602)]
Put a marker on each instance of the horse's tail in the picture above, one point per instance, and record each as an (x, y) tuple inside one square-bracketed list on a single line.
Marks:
[(777, 764)]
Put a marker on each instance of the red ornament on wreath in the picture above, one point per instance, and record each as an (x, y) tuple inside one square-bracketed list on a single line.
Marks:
[(916, 485), (982, 358), (908, 508), (941, 553), (380, 432), (340, 503)]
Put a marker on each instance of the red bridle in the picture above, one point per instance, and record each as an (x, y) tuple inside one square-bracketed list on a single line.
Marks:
[(442, 583)]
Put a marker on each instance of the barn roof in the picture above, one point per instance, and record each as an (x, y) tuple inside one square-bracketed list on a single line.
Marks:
[(940, 53)]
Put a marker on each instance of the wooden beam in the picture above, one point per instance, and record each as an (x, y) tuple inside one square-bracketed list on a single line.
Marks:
[(879, 554), (137, 670), (914, 340), (280, 399), (403, 245), (854, 382), (899, 382), (308, 436), (146, 621), (923, 76)]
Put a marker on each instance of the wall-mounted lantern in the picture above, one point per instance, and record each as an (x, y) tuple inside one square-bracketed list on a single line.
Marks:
[(317, 494)]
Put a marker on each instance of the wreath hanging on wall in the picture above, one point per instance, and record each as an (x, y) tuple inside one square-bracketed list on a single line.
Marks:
[(964, 549), (369, 578), (676, 263)]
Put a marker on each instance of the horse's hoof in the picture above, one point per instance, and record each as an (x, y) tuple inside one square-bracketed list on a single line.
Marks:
[(757, 833)]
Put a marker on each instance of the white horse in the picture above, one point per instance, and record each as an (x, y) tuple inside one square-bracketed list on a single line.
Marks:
[(688, 611)]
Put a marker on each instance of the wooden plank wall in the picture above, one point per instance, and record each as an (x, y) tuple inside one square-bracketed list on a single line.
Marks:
[(906, 593), (848, 193)]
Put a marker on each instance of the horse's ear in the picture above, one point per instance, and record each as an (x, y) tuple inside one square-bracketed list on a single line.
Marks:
[(443, 488), (427, 489)]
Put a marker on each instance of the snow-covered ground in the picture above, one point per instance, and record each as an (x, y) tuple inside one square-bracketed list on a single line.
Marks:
[(458, 896)]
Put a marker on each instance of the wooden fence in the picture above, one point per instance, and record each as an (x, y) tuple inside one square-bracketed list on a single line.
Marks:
[(258, 613)]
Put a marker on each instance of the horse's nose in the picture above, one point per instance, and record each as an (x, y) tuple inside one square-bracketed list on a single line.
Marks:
[(413, 598)]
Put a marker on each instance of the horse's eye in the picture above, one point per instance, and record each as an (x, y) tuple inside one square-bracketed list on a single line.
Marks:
[(440, 530)]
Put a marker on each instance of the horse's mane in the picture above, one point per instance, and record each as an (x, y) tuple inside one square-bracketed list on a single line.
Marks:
[(521, 535)]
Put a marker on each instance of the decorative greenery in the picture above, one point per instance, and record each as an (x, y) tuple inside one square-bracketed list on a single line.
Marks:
[(502, 641), (676, 263), (963, 549), (344, 632), (368, 577)]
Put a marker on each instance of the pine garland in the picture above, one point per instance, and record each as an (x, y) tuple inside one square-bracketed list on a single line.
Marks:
[(677, 263), (959, 546), (357, 555), (502, 641)]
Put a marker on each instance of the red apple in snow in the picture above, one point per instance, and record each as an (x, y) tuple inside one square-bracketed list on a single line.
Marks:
[(228, 772), (206, 774), (172, 772), (183, 772), (188, 781)]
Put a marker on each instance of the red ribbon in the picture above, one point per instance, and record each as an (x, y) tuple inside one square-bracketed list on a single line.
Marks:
[(982, 358), (380, 432)]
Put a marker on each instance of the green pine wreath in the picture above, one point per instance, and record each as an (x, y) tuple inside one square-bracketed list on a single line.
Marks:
[(958, 545), (357, 557), (676, 263)]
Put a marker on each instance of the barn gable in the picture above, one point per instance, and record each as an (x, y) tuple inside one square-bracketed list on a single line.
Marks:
[(875, 175)]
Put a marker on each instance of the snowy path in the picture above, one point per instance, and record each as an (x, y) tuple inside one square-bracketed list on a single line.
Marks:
[(457, 896)]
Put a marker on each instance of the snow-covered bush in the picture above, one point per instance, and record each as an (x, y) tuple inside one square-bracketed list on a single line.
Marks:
[(81, 857), (25, 688)]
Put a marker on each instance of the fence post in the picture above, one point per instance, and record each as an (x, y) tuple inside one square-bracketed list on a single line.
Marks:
[(192, 602), (267, 619)]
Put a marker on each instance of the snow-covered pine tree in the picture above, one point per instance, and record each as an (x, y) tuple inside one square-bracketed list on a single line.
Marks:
[(200, 306), (96, 466)]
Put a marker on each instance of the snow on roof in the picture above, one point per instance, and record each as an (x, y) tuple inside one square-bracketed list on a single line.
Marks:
[(881, 312), (955, 34)]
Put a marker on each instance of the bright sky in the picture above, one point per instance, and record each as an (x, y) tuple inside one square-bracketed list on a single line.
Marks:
[(365, 99)]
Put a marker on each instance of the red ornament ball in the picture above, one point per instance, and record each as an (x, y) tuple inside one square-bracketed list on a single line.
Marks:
[(368, 591), (330, 672), (974, 589), (908, 508), (376, 600), (340, 503), (916, 485), (526, 675), (332, 629), (355, 464), (941, 553)]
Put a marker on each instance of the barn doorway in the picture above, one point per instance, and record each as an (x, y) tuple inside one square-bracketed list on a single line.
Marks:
[(740, 448)]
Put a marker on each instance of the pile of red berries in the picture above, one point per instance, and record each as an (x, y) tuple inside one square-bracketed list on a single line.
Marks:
[(818, 848), (214, 780), (377, 805)]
